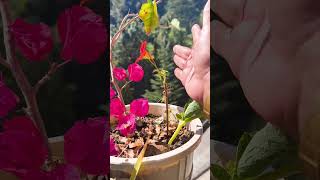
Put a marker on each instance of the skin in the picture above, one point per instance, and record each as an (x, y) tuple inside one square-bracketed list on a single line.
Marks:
[(272, 48), (194, 63)]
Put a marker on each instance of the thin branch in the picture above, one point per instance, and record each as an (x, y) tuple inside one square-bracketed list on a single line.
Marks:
[(19, 75), (54, 68), (117, 35)]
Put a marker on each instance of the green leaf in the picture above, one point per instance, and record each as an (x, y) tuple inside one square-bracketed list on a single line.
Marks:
[(180, 115), (175, 23), (219, 173), (265, 146), (137, 166), (231, 168), (243, 143), (192, 112), (149, 15)]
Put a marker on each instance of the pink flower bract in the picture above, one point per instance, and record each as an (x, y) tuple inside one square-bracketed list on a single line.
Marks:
[(136, 72), (83, 34), (112, 147), (119, 73), (86, 148), (112, 93), (33, 40), (117, 108), (21, 147), (8, 100), (127, 124), (139, 107)]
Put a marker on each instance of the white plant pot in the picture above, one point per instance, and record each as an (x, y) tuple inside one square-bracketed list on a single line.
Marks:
[(173, 165)]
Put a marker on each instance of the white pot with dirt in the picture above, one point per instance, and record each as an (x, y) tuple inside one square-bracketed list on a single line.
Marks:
[(173, 165)]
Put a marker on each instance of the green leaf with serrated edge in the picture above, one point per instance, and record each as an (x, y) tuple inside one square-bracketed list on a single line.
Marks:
[(219, 172), (149, 15), (265, 146)]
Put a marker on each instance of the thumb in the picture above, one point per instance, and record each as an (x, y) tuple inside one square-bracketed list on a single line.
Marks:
[(206, 18), (195, 33)]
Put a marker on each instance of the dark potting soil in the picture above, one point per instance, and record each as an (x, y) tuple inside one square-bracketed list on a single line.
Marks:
[(156, 127)]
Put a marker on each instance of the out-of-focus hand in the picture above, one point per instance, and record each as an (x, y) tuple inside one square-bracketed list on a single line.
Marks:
[(272, 47), (194, 64)]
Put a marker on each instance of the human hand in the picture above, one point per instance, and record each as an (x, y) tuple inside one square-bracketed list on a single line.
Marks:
[(272, 48), (194, 64)]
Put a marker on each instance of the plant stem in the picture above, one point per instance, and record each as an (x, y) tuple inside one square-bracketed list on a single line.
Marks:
[(176, 132), (54, 67), (167, 103), (115, 84), (20, 77)]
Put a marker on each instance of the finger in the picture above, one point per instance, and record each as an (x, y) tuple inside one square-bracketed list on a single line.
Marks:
[(206, 17), (180, 62), (196, 30), (182, 51), (179, 74), (230, 11)]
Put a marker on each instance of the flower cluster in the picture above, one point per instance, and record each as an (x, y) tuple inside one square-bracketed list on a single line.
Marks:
[(138, 107), (23, 148)]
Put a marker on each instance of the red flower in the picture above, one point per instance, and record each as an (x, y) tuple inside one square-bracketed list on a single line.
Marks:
[(140, 107), (127, 124), (144, 54), (117, 108), (85, 147), (8, 100), (136, 72), (83, 34), (119, 73), (21, 147), (33, 40)]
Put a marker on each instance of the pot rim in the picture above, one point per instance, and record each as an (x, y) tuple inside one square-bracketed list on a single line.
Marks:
[(185, 149)]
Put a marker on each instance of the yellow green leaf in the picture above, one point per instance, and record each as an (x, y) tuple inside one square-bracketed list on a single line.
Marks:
[(149, 15), (137, 166)]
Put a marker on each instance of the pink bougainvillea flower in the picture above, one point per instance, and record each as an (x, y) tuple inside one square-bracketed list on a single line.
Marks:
[(21, 147), (127, 124), (86, 148), (139, 107), (144, 54), (112, 147), (119, 73), (8, 99), (33, 40), (83, 34), (117, 108), (112, 93), (136, 72)]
